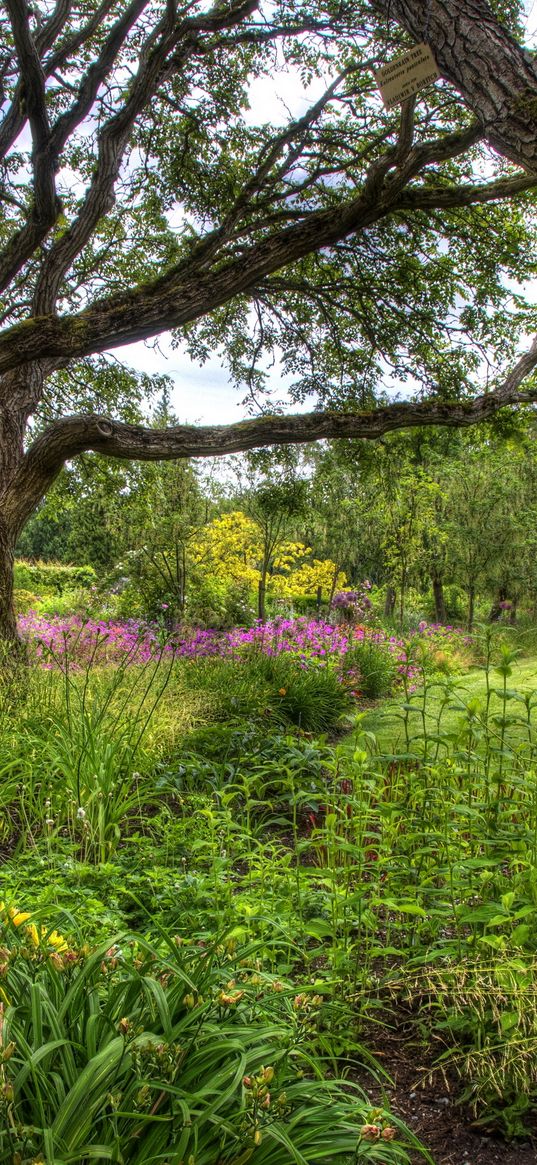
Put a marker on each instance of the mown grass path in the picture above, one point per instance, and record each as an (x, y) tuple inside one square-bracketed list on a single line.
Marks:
[(385, 719)]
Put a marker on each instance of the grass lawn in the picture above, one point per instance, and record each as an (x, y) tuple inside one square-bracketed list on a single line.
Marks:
[(448, 698)]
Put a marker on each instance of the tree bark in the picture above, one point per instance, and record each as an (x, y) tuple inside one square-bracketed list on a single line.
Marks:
[(439, 599), (8, 622), (389, 602), (495, 76)]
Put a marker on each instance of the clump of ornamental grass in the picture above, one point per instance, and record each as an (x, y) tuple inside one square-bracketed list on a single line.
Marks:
[(484, 1010), (371, 667), (77, 756), (280, 689)]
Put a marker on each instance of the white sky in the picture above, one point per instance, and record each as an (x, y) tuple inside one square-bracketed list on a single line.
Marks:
[(204, 395)]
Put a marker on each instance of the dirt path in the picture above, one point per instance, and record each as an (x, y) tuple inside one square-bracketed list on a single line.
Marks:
[(430, 1108)]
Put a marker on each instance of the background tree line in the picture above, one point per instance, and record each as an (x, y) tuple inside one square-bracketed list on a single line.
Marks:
[(442, 523)]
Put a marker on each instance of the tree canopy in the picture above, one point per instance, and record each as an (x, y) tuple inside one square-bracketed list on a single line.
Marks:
[(144, 190)]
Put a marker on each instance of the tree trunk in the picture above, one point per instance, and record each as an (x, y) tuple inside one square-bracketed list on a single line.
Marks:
[(16, 397), (496, 611), (402, 597), (183, 580), (332, 591), (261, 608), (439, 600), (494, 74), (471, 606), (8, 623), (389, 602)]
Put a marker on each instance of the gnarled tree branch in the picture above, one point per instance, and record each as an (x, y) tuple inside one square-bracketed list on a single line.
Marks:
[(71, 436), (179, 297)]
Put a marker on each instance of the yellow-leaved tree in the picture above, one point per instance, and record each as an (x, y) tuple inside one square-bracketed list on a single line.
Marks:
[(233, 548), (229, 547)]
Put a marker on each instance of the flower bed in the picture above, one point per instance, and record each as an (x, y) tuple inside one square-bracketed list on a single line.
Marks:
[(82, 643)]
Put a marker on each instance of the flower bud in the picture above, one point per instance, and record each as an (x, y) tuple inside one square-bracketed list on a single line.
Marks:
[(370, 1132)]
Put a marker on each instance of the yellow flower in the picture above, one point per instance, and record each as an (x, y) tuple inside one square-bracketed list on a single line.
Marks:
[(56, 940), (18, 916), (33, 934)]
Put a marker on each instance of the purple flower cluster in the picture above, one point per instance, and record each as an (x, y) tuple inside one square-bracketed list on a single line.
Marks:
[(82, 643), (353, 604), (444, 632), (87, 641)]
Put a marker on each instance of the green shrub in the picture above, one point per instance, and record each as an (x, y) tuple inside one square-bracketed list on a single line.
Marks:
[(375, 668), (210, 601), (52, 576), (307, 604), (25, 601), (63, 604), (313, 700), (273, 688), (219, 603)]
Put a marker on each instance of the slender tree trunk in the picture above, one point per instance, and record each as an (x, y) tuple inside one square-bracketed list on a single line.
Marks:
[(471, 606), (261, 608), (495, 612), (332, 591), (183, 580), (389, 602), (439, 600), (402, 597)]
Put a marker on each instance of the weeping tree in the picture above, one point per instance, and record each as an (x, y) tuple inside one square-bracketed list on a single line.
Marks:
[(143, 190)]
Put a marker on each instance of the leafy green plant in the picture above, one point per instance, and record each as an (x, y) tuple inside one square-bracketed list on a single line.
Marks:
[(52, 576), (273, 688), (82, 757), (374, 666), (134, 1054)]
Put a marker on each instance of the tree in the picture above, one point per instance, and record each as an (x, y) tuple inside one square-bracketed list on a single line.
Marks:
[(147, 200), (273, 507), (482, 519), (161, 513), (335, 524)]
